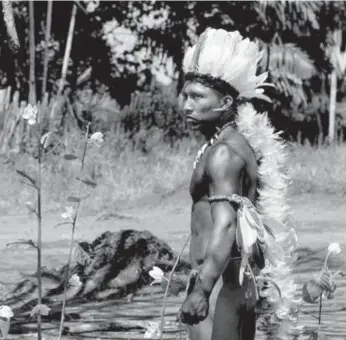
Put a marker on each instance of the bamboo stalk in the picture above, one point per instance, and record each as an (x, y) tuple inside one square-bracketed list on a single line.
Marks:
[(332, 106), (46, 38), (65, 64), (8, 97), (68, 48), (10, 25)]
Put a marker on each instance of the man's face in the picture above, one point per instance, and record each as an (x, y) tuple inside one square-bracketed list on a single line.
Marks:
[(199, 101)]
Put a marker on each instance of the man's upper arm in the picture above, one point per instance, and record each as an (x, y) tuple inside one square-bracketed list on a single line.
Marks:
[(223, 170)]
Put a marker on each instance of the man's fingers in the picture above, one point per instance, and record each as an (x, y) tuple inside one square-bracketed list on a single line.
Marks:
[(325, 280), (188, 319), (179, 317), (187, 315)]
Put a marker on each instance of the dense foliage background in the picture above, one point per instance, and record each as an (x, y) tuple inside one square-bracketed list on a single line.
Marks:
[(111, 83)]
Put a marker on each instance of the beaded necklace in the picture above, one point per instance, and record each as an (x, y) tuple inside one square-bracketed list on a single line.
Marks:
[(211, 141)]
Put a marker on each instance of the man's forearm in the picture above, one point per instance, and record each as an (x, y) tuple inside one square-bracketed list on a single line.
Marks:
[(217, 255)]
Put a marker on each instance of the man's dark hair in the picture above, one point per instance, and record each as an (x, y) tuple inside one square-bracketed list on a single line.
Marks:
[(216, 84)]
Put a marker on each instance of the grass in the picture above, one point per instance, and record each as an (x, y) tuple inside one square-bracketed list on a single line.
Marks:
[(317, 170), (125, 176)]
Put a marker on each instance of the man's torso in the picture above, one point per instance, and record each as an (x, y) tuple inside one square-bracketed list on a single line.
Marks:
[(201, 218)]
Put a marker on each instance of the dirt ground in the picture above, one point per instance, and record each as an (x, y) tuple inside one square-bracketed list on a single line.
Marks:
[(320, 221)]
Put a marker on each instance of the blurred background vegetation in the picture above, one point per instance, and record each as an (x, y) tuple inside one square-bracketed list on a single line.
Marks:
[(117, 64)]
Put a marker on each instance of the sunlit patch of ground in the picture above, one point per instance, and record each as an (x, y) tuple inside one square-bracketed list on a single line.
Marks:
[(320, 221)]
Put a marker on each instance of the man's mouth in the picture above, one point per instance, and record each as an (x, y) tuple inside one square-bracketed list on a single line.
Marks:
[(192, 120)]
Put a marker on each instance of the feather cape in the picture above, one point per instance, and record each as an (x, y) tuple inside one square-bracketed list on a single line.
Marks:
[(279, 321)]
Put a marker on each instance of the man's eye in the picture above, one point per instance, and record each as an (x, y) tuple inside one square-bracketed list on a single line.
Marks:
[(196, 96)]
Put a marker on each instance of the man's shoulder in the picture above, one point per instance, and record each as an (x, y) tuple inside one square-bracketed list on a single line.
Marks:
[(222, 157)]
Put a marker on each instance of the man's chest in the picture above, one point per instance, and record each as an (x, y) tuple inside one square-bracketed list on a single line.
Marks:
[(199, 182)]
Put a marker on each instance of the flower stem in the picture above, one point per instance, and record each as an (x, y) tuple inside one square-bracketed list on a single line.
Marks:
[(320, 311), (39, 227), (74, 222), (325, 266), (167, 287)]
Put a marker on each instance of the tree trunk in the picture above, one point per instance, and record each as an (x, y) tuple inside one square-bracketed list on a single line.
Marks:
[(10, 25), (32, 82), (46, 38), (53, 119), (68, 48), (319, 127), (332, 106)]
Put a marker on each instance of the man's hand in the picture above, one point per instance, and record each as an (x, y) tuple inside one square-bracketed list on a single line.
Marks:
[(327, 283), (195, 308)]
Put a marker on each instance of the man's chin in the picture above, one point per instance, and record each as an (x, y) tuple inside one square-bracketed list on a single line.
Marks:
[(194, 125)]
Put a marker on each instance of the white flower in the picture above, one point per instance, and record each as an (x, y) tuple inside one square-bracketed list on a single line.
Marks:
[(75, 281), (30, 113), (157, 274), (69, 214), (45, 139), (6, 312), (92, 5), (334, 248), (153, 330), (96, 138), (282, 312)]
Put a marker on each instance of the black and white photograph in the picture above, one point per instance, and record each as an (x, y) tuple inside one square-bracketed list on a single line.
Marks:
[(173, 170)]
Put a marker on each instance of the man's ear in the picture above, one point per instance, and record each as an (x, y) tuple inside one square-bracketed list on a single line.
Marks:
[(227, 102)]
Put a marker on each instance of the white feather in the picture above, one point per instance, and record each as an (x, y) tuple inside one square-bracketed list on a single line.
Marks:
[(226, 55)]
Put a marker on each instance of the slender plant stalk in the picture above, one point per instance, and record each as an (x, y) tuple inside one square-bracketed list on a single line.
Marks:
[(320, 311), (167, 287), (32, 82), (46, 39), (324, 268), (39, 226), (72, 237)]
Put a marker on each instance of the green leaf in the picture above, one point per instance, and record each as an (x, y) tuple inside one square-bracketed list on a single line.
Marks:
[(311, 291), (40, 310), (45, 140), (25, 175), (70, 157), (81, 255), (28, 242), (73, 199), (31, 208), (62, 223), (317, 335), (87, 182)]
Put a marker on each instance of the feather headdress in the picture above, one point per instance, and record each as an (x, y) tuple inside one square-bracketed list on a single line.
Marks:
[(227, 56)]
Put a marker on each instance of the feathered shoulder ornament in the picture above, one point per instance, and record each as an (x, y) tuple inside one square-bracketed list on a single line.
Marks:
[(277, 290)]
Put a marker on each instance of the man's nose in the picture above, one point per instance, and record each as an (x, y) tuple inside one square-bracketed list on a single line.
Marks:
[(187, 106)]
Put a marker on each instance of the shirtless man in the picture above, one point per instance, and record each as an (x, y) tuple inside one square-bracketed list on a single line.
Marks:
[(218, 307), (220, 74), (228, 167)]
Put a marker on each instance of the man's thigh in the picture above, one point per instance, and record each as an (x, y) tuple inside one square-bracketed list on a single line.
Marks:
[(248, 325), (226, 319), (203, 330), (234, 317)]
